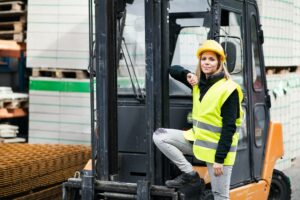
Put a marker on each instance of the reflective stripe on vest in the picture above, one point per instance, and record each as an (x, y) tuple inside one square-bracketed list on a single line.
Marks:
[(207, 121), (212, 145), (209, 127)]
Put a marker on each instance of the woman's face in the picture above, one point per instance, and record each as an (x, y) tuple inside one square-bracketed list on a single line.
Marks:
[(209, 63)]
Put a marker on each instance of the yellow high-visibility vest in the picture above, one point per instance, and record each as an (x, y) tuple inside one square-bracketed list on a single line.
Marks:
[(207, 121)]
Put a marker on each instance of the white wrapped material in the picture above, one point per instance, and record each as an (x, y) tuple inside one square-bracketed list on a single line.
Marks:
[(8, 131), (59, 111), (285, 99), (57, 34), (280, 31)]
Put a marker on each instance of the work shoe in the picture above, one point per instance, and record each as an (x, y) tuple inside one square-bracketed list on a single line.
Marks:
[(184, 179)]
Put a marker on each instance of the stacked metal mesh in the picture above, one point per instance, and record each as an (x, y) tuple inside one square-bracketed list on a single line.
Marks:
[(28, 167), (53, 193)]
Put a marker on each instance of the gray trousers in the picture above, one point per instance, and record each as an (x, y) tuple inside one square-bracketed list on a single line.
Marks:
[(173, 145)]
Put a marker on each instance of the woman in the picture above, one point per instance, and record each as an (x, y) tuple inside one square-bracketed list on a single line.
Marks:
[(216, 114)]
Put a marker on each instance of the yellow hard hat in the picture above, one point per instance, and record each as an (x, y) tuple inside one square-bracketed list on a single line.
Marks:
[(211, 45)]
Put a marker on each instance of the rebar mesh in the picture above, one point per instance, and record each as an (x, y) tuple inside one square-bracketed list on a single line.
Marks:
[(27, 167), (52, 193)]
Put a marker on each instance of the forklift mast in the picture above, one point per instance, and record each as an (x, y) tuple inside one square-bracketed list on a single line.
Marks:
[(134, 45)]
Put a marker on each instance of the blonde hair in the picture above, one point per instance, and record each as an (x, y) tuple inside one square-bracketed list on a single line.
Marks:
[(221, 65)]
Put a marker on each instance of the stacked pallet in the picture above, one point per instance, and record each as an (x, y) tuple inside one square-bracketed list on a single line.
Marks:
[(11, 105), (58, 37), (11, 100), (26, 169), (58, 34), (285, 99), (13, 20), (281, 25), (58, 54), (59, 110)]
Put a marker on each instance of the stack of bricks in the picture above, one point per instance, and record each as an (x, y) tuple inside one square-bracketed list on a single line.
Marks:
[(13, 20), (26, 168)]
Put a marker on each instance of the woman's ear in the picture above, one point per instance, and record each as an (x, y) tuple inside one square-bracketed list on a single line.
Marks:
[(219, 63)]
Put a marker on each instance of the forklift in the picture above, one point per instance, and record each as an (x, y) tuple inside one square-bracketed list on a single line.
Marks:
[(132, 94)]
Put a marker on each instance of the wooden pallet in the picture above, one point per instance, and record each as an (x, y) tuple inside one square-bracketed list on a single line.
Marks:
[(14, 103), (15, 27), (10, 35), (59, 73), (18, 16), (12, 140), (11, 48), (11, 6), (11, 113), (23, 1)]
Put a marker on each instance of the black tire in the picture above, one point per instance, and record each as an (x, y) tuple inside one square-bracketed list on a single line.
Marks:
[(280, 186), (206, 195)]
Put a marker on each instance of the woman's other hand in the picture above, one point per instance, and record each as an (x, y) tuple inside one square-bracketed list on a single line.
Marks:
[(218, 169), (192, 79)]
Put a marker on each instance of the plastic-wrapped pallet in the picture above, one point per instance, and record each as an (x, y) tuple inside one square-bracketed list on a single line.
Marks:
[(58, 34), (285, 98), (280, 31), (59, 111), (296, 32), (294, 85), (276, 86)]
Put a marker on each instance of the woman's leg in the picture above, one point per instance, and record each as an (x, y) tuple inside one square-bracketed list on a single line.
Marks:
[(220, 185), (172, 144)]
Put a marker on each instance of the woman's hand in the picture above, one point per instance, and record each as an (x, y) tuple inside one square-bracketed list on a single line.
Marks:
[(192, 79), (218, 169)]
